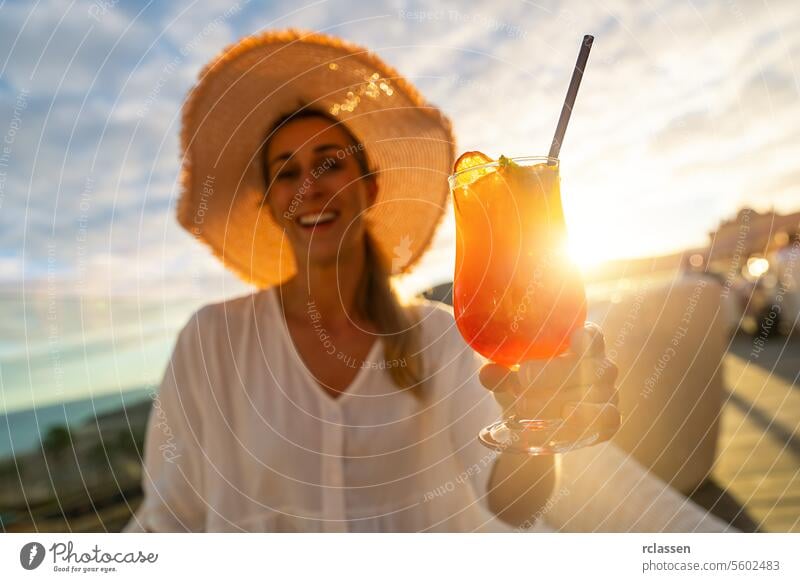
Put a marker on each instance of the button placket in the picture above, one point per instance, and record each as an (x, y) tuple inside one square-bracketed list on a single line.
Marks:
[(332, 472)]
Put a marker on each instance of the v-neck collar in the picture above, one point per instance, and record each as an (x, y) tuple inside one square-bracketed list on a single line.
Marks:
[(310, 380)]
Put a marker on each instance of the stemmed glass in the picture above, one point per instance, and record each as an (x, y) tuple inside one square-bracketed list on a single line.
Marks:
[(516, 294)]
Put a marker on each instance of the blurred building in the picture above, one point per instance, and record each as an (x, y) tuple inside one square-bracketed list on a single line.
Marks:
[(750, 232)]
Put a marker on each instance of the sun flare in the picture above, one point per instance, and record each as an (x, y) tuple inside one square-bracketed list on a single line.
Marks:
[(586, 251)]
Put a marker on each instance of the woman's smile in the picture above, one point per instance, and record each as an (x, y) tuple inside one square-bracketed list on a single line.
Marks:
[(317, 221)]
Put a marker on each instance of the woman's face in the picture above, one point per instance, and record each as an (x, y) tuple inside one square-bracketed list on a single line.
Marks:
[(316, 191)]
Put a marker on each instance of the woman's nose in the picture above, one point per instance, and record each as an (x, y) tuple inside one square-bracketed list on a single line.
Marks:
[(312, 184)]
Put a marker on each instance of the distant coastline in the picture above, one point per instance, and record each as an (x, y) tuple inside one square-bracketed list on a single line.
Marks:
[(22, 430)]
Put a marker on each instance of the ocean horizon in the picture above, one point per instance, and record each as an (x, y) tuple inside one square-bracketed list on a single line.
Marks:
[(57, 348), (21, 431)]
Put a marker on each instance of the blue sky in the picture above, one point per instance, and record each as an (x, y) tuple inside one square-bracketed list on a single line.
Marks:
[(688, 110)]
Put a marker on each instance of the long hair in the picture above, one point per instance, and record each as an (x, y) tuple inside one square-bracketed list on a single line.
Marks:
[(377, 300)]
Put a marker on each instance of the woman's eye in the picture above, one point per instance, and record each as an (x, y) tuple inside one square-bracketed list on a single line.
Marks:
[(286, 175), (330, 163)]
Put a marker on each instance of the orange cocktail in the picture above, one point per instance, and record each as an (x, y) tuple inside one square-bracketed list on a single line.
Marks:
[(516, 295)]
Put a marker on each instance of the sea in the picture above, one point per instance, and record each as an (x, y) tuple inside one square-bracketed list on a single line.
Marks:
[(64, 358)]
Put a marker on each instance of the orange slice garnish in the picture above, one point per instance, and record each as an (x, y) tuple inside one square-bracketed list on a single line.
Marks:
[(469, 160)]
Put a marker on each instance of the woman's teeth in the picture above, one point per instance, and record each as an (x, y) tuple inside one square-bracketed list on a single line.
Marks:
[(317, 218)]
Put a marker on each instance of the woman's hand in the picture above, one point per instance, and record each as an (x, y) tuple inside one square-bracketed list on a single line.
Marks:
[(578, 387)]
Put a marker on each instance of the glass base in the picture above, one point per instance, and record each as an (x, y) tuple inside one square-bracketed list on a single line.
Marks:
[(534, 437)]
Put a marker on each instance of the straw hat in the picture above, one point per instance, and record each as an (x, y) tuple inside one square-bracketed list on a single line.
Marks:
[(252, 83)]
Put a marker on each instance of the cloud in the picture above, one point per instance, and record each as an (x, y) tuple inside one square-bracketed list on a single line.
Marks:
[(57, 47)]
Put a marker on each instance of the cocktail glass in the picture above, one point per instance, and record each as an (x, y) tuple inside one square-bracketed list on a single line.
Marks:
[(516, 294)]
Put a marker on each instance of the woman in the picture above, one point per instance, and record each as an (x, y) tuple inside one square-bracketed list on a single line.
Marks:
[(323, 402)]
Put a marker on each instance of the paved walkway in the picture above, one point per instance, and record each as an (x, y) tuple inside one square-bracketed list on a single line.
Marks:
[(758, 460)]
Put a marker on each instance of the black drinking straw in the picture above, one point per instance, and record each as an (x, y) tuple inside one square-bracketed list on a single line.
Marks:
[(572, 92)]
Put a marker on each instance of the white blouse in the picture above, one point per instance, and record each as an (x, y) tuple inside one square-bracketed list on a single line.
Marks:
[(242, 438)]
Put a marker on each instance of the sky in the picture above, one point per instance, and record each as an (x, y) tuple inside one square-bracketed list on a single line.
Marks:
[(688, 111)]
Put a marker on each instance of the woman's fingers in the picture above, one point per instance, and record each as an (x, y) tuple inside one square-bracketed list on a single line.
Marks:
[(588, 341), (527, 405), (533, 407), (565, 376), (498, 378), (589, 418), (565, 372), (579, 385), (584, 365), (503, 383), (599, 393)]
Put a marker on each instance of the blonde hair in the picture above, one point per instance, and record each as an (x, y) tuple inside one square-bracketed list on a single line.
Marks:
[(396, 322), (377, 300)]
